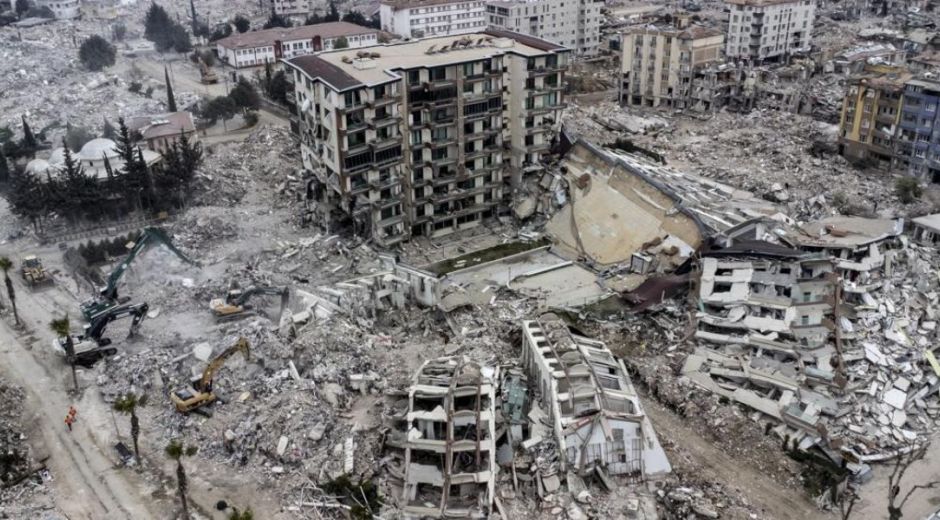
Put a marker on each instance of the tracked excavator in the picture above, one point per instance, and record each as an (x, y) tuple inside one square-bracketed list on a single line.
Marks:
[(235, 305), (91, 345), (200, 393), (107, 296)]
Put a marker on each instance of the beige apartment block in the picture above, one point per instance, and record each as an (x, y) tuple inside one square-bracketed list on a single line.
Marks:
[(429, 136), (660, 65)]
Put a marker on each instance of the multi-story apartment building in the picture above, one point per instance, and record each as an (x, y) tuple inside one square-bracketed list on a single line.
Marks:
[(769, 29), (918, 140), (659, 66), (421, 18), (871, 111), (292, 7), (416, 138), (255, 48), (63, 9), (574, 24)]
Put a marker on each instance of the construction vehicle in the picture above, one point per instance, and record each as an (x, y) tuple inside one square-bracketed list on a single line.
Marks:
[(207, 76), (200, 392), (91, 345), (34, 273), (235, 305), (108, 295)]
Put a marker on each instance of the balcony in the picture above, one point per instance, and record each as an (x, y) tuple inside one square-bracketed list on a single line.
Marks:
[(451, 177), (357, 148), (486, 132), (434, 123), (385, 121), (381, 102), (355, 126), (441, 83), (538, 147), (438, 143), (380, 143)]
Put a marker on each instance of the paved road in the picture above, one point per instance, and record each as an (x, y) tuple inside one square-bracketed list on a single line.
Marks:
[(89, 485)]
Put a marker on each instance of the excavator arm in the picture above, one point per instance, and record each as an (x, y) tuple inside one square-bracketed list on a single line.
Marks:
[(95, 330), (205, 384), (148, 236), (108, 295)]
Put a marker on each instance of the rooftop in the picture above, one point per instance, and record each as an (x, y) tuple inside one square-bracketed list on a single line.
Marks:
[(162, 125), (692, 32), (928, 221), (348, 68), (304, 32), (848, 231), (411, 4), (761, 3)]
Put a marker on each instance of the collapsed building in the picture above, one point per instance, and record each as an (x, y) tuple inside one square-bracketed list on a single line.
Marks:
[(450, 450), (597, 421)]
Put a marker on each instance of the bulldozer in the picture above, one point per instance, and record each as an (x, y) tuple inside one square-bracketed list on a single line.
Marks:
[(200, 393), (34, 273), (235, 305)]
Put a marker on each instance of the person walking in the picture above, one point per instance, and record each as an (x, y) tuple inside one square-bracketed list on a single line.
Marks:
[(68, 422)]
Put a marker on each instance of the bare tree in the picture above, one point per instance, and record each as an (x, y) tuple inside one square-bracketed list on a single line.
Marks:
[(901, 464), (847, 504)]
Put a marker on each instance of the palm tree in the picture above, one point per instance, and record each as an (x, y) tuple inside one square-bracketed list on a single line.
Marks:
[(62, 327), (175, 450), (128, 404), (6, 264), (244, 515)]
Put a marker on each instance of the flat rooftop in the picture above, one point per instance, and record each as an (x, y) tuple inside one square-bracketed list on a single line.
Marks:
[(348, 68), (761, 3), (266, 37)]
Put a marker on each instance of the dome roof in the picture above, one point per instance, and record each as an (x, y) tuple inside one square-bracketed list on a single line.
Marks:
[(57, 156), (94, 149), (37, 167)]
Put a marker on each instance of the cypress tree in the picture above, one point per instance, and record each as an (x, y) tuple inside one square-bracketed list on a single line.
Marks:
[(170, 99), (29, 140), (4, 167)]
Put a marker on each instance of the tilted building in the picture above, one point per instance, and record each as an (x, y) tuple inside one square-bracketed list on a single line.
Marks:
[(661, 65), (769, 29), (595, 412), (918, 142), (572, 24), (871, 111), (426, 137)]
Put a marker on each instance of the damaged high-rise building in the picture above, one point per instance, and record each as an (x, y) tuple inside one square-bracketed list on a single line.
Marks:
[(450, 451), (429, 136)]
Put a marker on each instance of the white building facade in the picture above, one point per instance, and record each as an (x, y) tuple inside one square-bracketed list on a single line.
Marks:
[(574, 24), (63, 9), (268, 46), (432, 17), (769, 29)]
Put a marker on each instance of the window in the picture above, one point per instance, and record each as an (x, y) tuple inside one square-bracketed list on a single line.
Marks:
[(414, 76), (415, 136)]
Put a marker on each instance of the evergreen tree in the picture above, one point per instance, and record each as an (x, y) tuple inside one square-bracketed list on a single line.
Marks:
[(181, 40), (76, 189), (158, 26), (170, 100), (4, 167), (146, 181), (28, 198), (357, 18), (192, 9), (107, 130), (29, 140), (190, 156), (21, 7), (313, 19), (96, 53), (279, 87), (341, 43), (245, 96), (222, 32), (277, 20), (333, 15), (242, 24)]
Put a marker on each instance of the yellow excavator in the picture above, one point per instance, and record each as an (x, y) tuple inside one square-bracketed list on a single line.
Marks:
[(200, 393), (235, 305), (34, 273)]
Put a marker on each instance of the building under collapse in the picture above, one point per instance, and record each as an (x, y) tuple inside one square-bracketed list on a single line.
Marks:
[(597, 419), (450, 451)]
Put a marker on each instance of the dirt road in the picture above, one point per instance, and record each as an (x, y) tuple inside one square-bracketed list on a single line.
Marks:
[(87, 482), (775, 501)]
